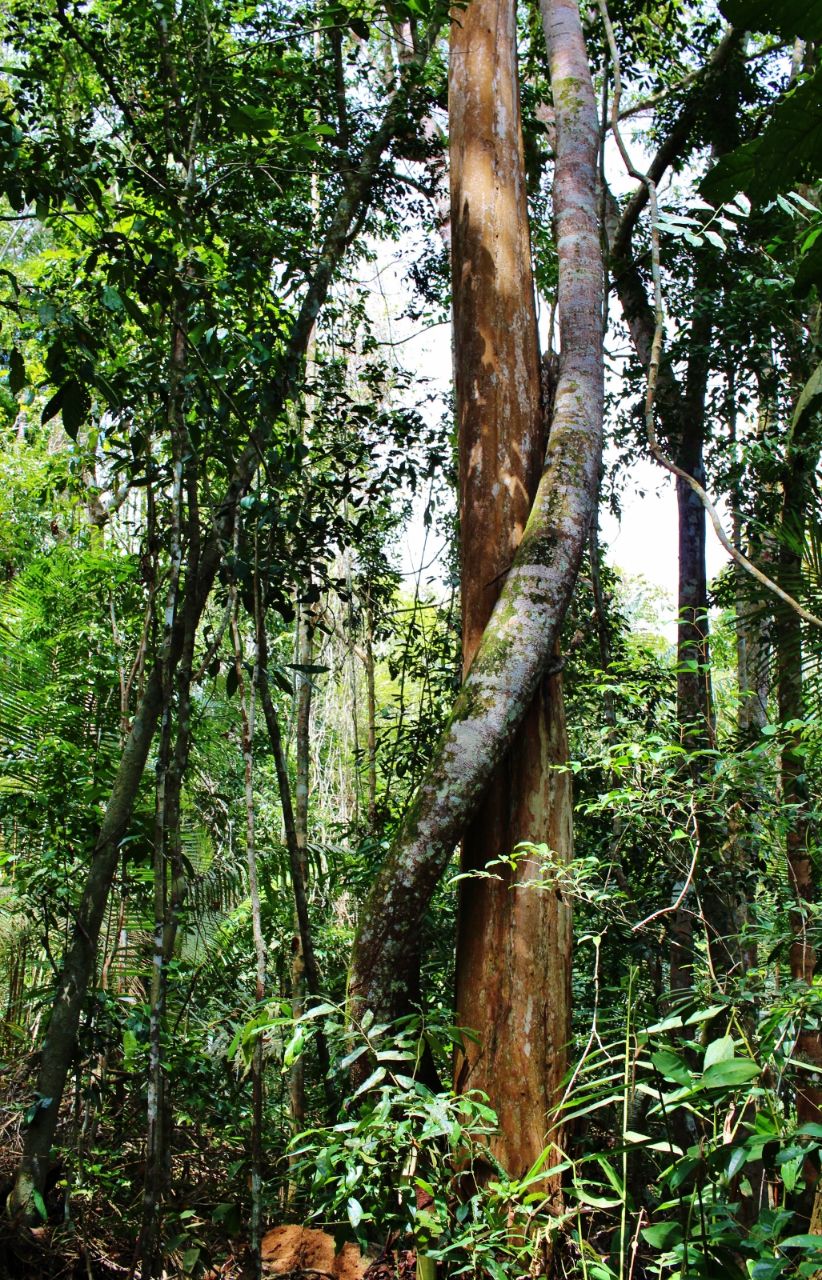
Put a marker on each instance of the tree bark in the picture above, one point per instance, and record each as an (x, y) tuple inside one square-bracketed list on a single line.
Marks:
[(305, 655), (514, 943), (248, 696), (800, 466), (518, 642), (78, 966)]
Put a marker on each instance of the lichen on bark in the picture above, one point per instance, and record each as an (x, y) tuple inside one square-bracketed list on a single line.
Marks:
[(519, 640)]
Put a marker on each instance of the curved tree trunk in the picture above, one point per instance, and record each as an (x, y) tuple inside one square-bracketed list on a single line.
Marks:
[(513, 946), (519, 639)]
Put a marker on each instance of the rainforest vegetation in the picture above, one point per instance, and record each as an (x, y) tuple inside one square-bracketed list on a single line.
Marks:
[(391, 885)]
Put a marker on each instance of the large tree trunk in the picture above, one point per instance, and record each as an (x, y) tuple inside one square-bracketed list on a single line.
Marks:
[(800, 465), (79, 962), (519, 639), (513, 948)]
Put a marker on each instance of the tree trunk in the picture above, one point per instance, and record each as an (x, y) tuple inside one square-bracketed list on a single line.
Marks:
[(312, 975), (801, 463), (248, 695), (513, 948), (694, 695), (519, 639), (305, 655)]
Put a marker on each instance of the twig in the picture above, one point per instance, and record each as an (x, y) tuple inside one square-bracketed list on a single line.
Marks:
[(664, 911)]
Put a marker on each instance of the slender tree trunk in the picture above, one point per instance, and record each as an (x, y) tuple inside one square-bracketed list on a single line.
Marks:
[(248, 696), (519, 639), (169, 874), (312, 976), (753, 620), (514, 942), (305, 656), (371, 691), (694, 702), (58, 1046), (156, 1155)]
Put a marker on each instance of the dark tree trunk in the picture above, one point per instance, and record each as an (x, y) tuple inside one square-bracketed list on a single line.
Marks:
[(800, 466)]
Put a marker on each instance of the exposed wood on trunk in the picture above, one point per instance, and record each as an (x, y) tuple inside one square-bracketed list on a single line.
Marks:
[(518, 642), (514, 944)]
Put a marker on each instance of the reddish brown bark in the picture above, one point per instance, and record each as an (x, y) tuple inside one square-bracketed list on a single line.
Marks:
[(516, 647), (513, 951)]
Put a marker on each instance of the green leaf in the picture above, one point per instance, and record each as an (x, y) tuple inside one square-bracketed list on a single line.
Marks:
[(739, 1158), (787, 18), (810, 398), (787, 152), (667, 1024), (111, 298), (294, 1048), (355, 1212), (662, 1235), (588, 1197), (810, 1130), (190, 1259), (671, 1067), (809, 270), (374, 1079), (53, 407), (730, 1075), (17, 373), (39, 1204), (319, 1011), (353, 1056), (75, 406), (802, 1242), (254, 122), (704, 1015), (682, 1170), (721, 1050), (612, 1175)]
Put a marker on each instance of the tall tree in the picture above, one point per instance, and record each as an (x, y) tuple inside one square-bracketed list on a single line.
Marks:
[(514, 942), (519, 639)]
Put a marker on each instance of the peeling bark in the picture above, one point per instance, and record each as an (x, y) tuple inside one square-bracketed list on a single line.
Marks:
[(519, 640), (514, 945)]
